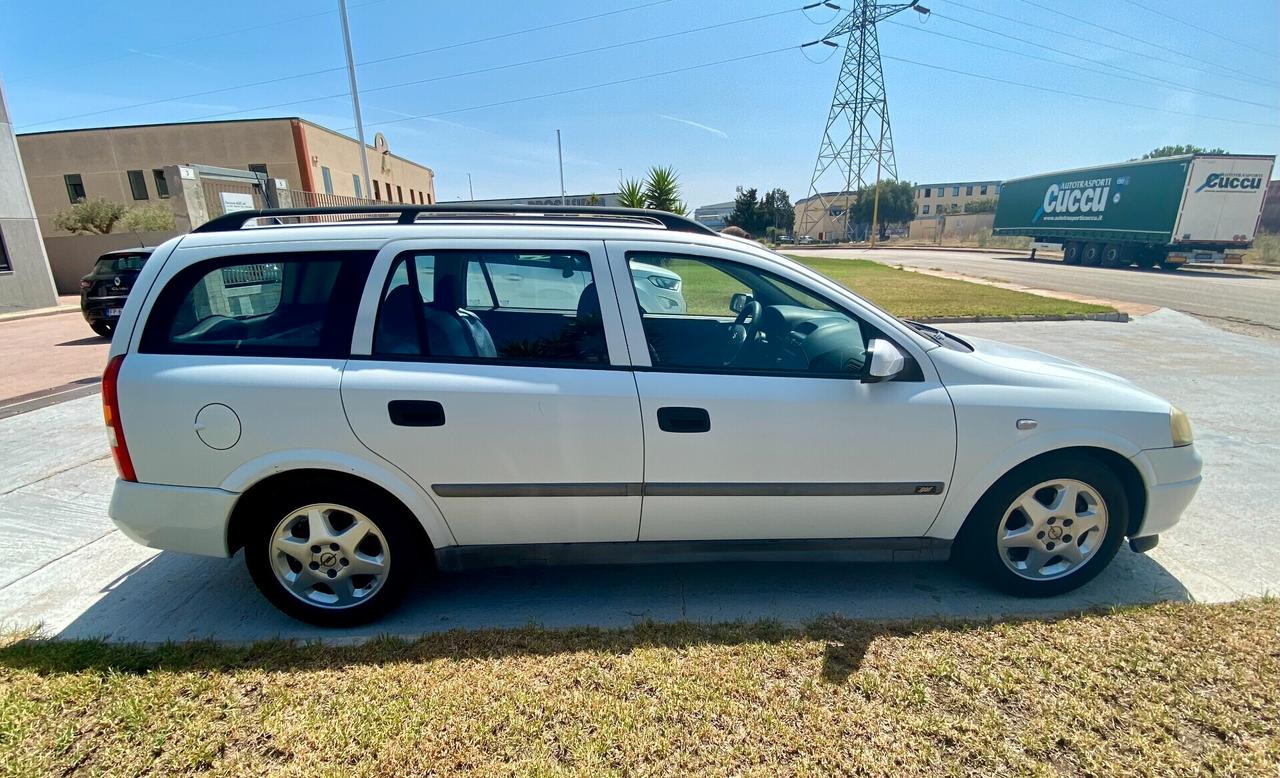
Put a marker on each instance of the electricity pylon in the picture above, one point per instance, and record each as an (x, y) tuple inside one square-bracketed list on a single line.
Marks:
[(857, 137)]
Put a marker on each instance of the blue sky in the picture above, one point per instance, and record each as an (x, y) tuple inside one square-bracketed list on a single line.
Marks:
[(755, 122)]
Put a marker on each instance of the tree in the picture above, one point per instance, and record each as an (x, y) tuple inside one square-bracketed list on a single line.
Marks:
[(150, 218), (897, 203), (1177, 151), (631, 193), (659, 190), (985, 205), (91, 217), (759, 215), (662, 190)]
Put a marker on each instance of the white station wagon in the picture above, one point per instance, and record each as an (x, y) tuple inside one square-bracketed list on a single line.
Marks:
[(355, 402)]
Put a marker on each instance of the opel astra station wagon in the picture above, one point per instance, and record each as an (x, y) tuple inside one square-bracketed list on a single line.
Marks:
[(363, 395)]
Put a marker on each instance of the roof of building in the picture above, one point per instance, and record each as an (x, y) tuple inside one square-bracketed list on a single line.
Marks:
[(217, 121), (959, 183), (826, 195)]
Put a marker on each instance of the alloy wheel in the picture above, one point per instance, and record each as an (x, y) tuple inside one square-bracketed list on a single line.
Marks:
[(1052, 529), (329, 556)]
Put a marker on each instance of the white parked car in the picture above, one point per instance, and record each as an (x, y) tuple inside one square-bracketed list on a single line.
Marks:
[(353, 403)]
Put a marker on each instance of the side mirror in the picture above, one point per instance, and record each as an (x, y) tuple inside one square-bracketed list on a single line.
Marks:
[(739, 301), (884, 362)]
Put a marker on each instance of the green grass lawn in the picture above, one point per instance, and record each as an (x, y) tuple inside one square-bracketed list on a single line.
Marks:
[(1171, 689), (916, 295)]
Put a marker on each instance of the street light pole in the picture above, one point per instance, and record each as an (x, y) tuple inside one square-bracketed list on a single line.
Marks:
[(470, 188), (560, 153), (355, 98)]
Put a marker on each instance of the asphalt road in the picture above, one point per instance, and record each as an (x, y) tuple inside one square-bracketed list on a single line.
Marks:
[(71, 572), (1224, 296)]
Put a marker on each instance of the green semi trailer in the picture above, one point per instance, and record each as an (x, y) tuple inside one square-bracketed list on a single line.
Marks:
[(1168, 211)]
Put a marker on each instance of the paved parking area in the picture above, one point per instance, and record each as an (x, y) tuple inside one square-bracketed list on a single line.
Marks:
[(41, 354), (71, 572)]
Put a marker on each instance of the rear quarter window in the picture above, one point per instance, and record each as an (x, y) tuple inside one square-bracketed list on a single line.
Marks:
[(279, 304)]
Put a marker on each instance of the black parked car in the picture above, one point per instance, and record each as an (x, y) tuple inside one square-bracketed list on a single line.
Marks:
[(103, 291)]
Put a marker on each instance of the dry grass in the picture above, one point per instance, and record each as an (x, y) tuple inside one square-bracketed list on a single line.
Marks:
[(919, 296), (1172, 689), (1265, 251)]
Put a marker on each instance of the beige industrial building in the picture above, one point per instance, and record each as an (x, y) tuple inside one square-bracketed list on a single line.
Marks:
[(941, 199), (126, 164), (821, 217)]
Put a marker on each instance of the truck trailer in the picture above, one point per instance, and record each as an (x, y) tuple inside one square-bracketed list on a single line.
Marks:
[(1167, 211)]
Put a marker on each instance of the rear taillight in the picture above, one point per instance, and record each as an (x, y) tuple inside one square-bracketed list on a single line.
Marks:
[(111, 415)]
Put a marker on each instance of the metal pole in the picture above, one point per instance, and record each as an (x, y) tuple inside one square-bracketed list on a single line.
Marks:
[(875, 206), (355, 98), (470, 188), (560, 152)]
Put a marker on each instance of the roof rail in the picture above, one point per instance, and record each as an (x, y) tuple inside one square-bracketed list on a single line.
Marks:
[(408, 214)]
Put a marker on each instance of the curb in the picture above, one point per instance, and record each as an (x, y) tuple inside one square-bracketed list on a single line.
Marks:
[(1112, 317), (38, 312)]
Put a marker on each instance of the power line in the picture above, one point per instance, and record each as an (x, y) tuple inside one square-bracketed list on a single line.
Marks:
[(1127, 74), (1206, 30), (1093, 42), (507, 66), (1126, 35), (1081, 95), (280, 79), (188, 41), (586, 88)]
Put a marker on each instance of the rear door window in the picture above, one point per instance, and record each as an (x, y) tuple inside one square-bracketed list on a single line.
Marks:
[(296, 304)]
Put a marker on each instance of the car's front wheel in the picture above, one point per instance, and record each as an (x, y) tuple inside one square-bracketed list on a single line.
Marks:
[(1046, 528), (332, 556)]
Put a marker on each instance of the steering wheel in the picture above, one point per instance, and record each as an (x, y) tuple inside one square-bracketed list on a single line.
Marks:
[(742, 331)]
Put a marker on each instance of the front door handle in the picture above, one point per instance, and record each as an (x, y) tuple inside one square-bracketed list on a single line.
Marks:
[(676, 419), (416, 413)]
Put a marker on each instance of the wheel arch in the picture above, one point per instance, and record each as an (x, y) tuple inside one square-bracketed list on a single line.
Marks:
[(254, 479), (1131, 477)]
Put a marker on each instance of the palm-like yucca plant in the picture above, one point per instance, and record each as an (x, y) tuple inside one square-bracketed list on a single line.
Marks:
[(631, 193), (662, 190)]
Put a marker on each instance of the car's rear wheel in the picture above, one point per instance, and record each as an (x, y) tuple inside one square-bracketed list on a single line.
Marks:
[(1046, 528), (1071, 253), (1091, 254), (102, 328), (333, 556)]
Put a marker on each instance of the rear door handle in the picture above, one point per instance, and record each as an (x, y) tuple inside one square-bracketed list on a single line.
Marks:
[(676, 419), (416, 413)]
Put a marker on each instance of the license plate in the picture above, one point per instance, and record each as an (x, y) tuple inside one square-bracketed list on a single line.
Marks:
[(114, 312), (1204, 255)]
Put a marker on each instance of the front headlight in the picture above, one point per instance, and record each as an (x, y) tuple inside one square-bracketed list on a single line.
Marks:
[(1180, 426), (662, 282)]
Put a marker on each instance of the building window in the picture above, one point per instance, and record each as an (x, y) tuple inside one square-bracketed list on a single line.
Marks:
[(328, 179), (968, 190), (5, 264), (75, 187), (138, 184), (162, 183), (926, 191), (428, 198), (355, 182), (259, 167), (925, 210), (983, 189), (955, 191), (399, 194), (377, 190)]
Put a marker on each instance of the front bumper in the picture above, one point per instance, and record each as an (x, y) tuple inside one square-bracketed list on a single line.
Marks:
[(1176, 478), (192, 520)]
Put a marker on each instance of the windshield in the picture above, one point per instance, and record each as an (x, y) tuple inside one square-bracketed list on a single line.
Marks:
[(119, 263)]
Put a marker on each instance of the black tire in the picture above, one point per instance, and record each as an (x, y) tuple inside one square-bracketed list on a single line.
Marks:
[(1114, 255), (105, 329), (977, 549), (1071, 253), (1170, 265), (1146, 260), (1091, 254), (404, 549)]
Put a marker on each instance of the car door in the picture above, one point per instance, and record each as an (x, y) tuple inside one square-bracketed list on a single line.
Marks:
[(513, 406), (772, 445)]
